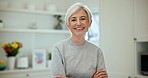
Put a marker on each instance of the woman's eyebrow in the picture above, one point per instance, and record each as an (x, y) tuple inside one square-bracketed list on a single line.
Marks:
[(76, 17), (83, 16), (73, 18)]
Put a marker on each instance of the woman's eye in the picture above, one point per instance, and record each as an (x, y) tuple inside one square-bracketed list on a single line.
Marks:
[(73, 20), (82, 18)]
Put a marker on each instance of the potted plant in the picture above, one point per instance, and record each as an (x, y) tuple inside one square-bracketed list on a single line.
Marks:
[(11, 50), (49, 59), (49, 56), (60, 22)]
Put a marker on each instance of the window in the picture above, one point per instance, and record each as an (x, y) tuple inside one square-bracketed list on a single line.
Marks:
[(93, 33)]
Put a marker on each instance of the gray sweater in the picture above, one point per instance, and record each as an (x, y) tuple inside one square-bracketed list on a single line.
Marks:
[(73, 61)]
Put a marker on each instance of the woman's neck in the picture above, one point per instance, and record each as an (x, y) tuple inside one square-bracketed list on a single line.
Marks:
[(78, 40)]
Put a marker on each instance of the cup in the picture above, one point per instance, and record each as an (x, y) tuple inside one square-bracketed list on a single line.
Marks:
[(31, 6), (22, 62), (51, 8)]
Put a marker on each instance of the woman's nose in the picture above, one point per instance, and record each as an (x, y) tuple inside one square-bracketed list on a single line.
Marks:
[(78, 22)]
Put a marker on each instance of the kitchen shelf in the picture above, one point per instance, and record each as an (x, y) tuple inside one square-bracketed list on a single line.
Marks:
[(141, 76), (31, 11), (22, 70), (142, 38), (37, 11), (35, 31)]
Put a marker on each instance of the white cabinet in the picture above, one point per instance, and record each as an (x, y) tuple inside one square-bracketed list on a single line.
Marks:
[(121, 22), (116, 37), (16, 24), (25, 73), (140, 33), (16, 28), (139, 47), (141, 20)]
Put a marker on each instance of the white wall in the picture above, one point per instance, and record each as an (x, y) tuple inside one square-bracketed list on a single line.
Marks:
[(92, 4)]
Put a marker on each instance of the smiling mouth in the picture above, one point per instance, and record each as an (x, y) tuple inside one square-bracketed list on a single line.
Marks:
[(79, 29)]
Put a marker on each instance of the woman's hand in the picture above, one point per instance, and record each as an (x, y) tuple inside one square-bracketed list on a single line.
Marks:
[(100, 74), (59, 76)]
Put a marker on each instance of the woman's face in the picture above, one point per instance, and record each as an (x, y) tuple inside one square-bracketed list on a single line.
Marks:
[(78, 23)]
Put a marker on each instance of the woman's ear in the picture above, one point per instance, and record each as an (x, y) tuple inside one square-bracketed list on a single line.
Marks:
[(90, 23), (67, 25)]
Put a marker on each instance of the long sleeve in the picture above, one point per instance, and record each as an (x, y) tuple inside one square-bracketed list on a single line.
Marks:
[(57, 67), (101, 62), (75, 61)]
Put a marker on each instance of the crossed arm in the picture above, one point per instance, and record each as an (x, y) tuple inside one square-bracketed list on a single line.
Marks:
[(56, 59), (99, 74)]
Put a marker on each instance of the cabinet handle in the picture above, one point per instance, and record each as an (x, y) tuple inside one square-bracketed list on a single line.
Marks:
[(27, 75), (129, 76), (135, 39)]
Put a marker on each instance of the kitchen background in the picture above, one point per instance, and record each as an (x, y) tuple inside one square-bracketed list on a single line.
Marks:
[(32, 22), (122, 26), (21, 17)]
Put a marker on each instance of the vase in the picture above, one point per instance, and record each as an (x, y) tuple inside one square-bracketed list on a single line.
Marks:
[(49, 63), (11, 63)]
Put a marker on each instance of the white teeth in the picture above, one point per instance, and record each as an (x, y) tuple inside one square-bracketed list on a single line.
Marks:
[(79, 28)]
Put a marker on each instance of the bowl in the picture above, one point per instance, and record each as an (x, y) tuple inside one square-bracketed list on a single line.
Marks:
[(3, 67)]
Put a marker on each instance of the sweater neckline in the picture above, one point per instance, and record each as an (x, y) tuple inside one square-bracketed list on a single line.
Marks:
[(77, 46)]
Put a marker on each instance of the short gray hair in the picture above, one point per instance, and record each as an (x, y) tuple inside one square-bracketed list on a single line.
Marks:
[(74, 8)]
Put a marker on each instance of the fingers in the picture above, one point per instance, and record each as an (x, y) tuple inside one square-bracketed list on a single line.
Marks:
[(100, 74), (59, 76)]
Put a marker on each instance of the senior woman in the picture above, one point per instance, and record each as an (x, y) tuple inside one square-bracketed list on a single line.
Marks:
[(75, 57)]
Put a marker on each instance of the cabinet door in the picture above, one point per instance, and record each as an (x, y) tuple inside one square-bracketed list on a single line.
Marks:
[(116, 37), (26, 74), (13, 75), (141, 19), (38, 74)]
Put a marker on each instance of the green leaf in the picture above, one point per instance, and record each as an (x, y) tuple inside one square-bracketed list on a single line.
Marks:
[(13, 53)]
